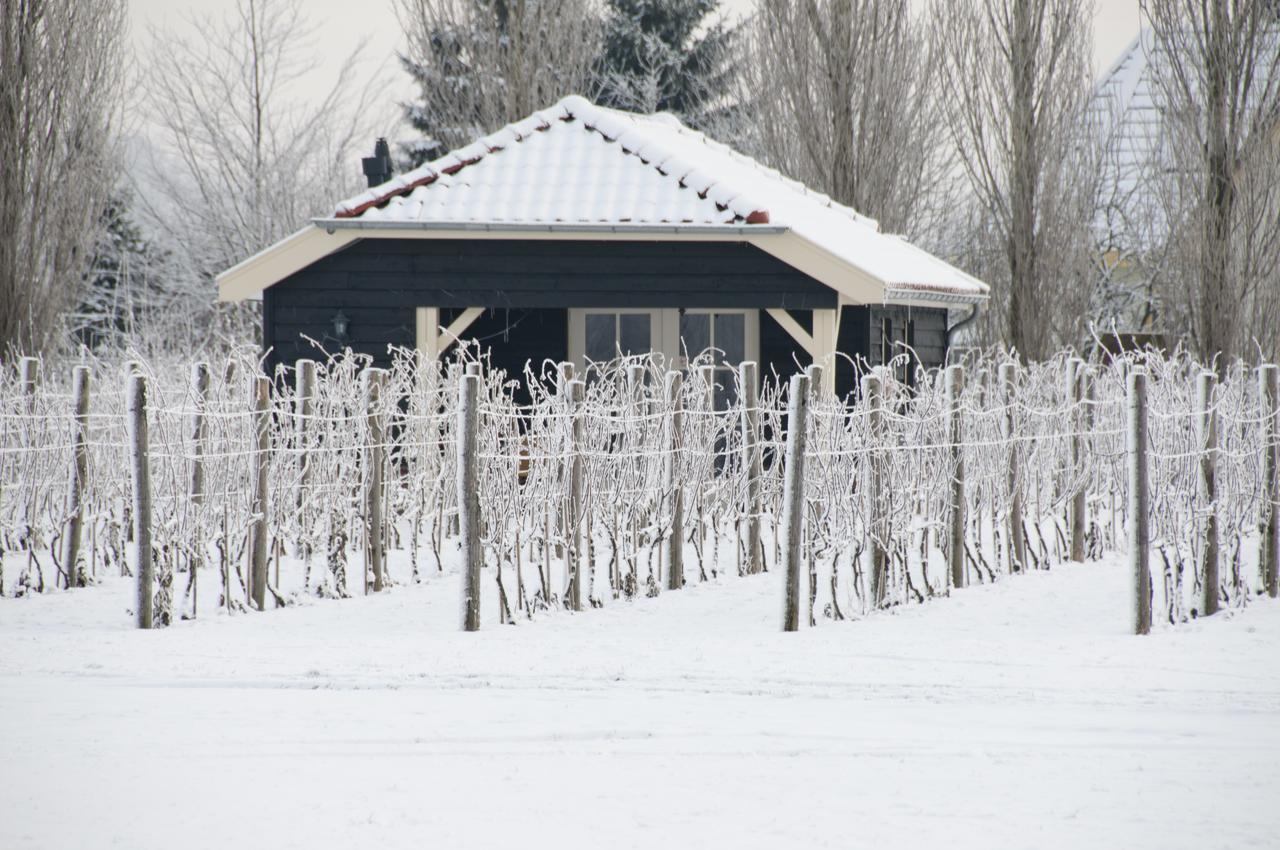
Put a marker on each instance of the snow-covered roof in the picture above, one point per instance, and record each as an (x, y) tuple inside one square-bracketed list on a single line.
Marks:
[(1126, 103), (581, 164), (581, 171)]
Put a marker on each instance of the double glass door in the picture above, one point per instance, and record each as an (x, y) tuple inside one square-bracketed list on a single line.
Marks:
[(730, 336)]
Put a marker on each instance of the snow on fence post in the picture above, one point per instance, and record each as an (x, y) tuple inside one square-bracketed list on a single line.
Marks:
[(468, 498), (955, 451), (139, 460), (1017, 540), (374, 380), (793, 502), (872, 399), (576, 508), (79, 472), (258, 509), (1075, 397), (1269, 392), (675, 446), (749, 378), (1139, 519), (195, 490), (1207, 437)]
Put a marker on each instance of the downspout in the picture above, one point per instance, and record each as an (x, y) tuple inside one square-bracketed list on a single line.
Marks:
[(963, 323)]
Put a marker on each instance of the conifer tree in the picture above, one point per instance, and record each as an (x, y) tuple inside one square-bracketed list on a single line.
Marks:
[(666, 56)]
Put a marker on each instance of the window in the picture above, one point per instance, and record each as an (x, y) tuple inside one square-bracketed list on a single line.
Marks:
[(726, 335), (600, 335), (608, 335)]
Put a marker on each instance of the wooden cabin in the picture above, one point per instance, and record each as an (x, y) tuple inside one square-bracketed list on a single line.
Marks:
[(582, 232)]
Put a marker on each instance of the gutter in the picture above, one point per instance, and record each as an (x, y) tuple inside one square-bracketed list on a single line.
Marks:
[(926, 296), (333, 224)]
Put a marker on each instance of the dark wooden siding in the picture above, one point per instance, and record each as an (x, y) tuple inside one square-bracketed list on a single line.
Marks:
[(377, 283), (528, 284)]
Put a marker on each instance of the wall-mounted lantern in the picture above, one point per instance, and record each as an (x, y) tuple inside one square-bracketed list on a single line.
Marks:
[(340, 326)]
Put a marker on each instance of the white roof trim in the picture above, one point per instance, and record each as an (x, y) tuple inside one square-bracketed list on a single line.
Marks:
[(248, 280)]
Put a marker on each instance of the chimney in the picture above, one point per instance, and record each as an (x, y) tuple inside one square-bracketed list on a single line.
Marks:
[(377, 168)]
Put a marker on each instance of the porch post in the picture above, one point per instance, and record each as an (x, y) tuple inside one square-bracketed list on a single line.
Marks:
[(820, 345)]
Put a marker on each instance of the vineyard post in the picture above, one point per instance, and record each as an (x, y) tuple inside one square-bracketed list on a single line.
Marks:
[(1076, 378), (304, 399), (1207, 437), (576, 507), (195, 492), (468, 498), (675, 446), (261, 459), (793, 502), (871, 399), (139, 460), (955, 436), (373, 383), (1269, 385), (79, 472), (749, 378), (28, 370), (1139, 531), (1018, 543)]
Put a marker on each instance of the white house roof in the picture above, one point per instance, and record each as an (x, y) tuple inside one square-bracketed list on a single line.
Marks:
[(578, 167)]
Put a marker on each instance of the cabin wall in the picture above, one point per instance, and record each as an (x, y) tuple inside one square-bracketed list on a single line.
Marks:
[(378, 283), (526, 287)]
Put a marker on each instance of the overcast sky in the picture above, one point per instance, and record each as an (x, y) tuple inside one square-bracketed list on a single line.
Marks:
[(341, 23)]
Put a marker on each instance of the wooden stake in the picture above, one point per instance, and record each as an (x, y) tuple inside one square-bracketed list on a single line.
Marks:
[(793, 503), (878, 558), (262, 460), (79, 473), (1269, 390), (955, 437), (1139, 529), (751, 460), (675, 448), (1079, 505), (374, 380), (578, 437), (468, 498), (1207, 436), (144, 569), (195, 492), (1018, 547)]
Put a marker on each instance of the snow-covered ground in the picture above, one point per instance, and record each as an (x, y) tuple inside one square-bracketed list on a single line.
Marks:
[(1014, 715)]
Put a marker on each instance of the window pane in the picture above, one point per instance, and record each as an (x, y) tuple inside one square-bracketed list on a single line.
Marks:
[(601, 337), (730, 337), (695, 333), (634, 333)]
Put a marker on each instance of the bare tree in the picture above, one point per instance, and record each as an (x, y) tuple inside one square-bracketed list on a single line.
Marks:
[(480, 64), (844, 98), (241, 160), (60, 84), (1216, 66), (1016, 77)]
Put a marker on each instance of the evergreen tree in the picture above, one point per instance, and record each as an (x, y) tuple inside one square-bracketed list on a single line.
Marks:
[(122, 279), (480, 64), (666, 56)]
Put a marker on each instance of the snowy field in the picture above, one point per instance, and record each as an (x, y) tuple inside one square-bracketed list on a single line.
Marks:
[(1013, 715)]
